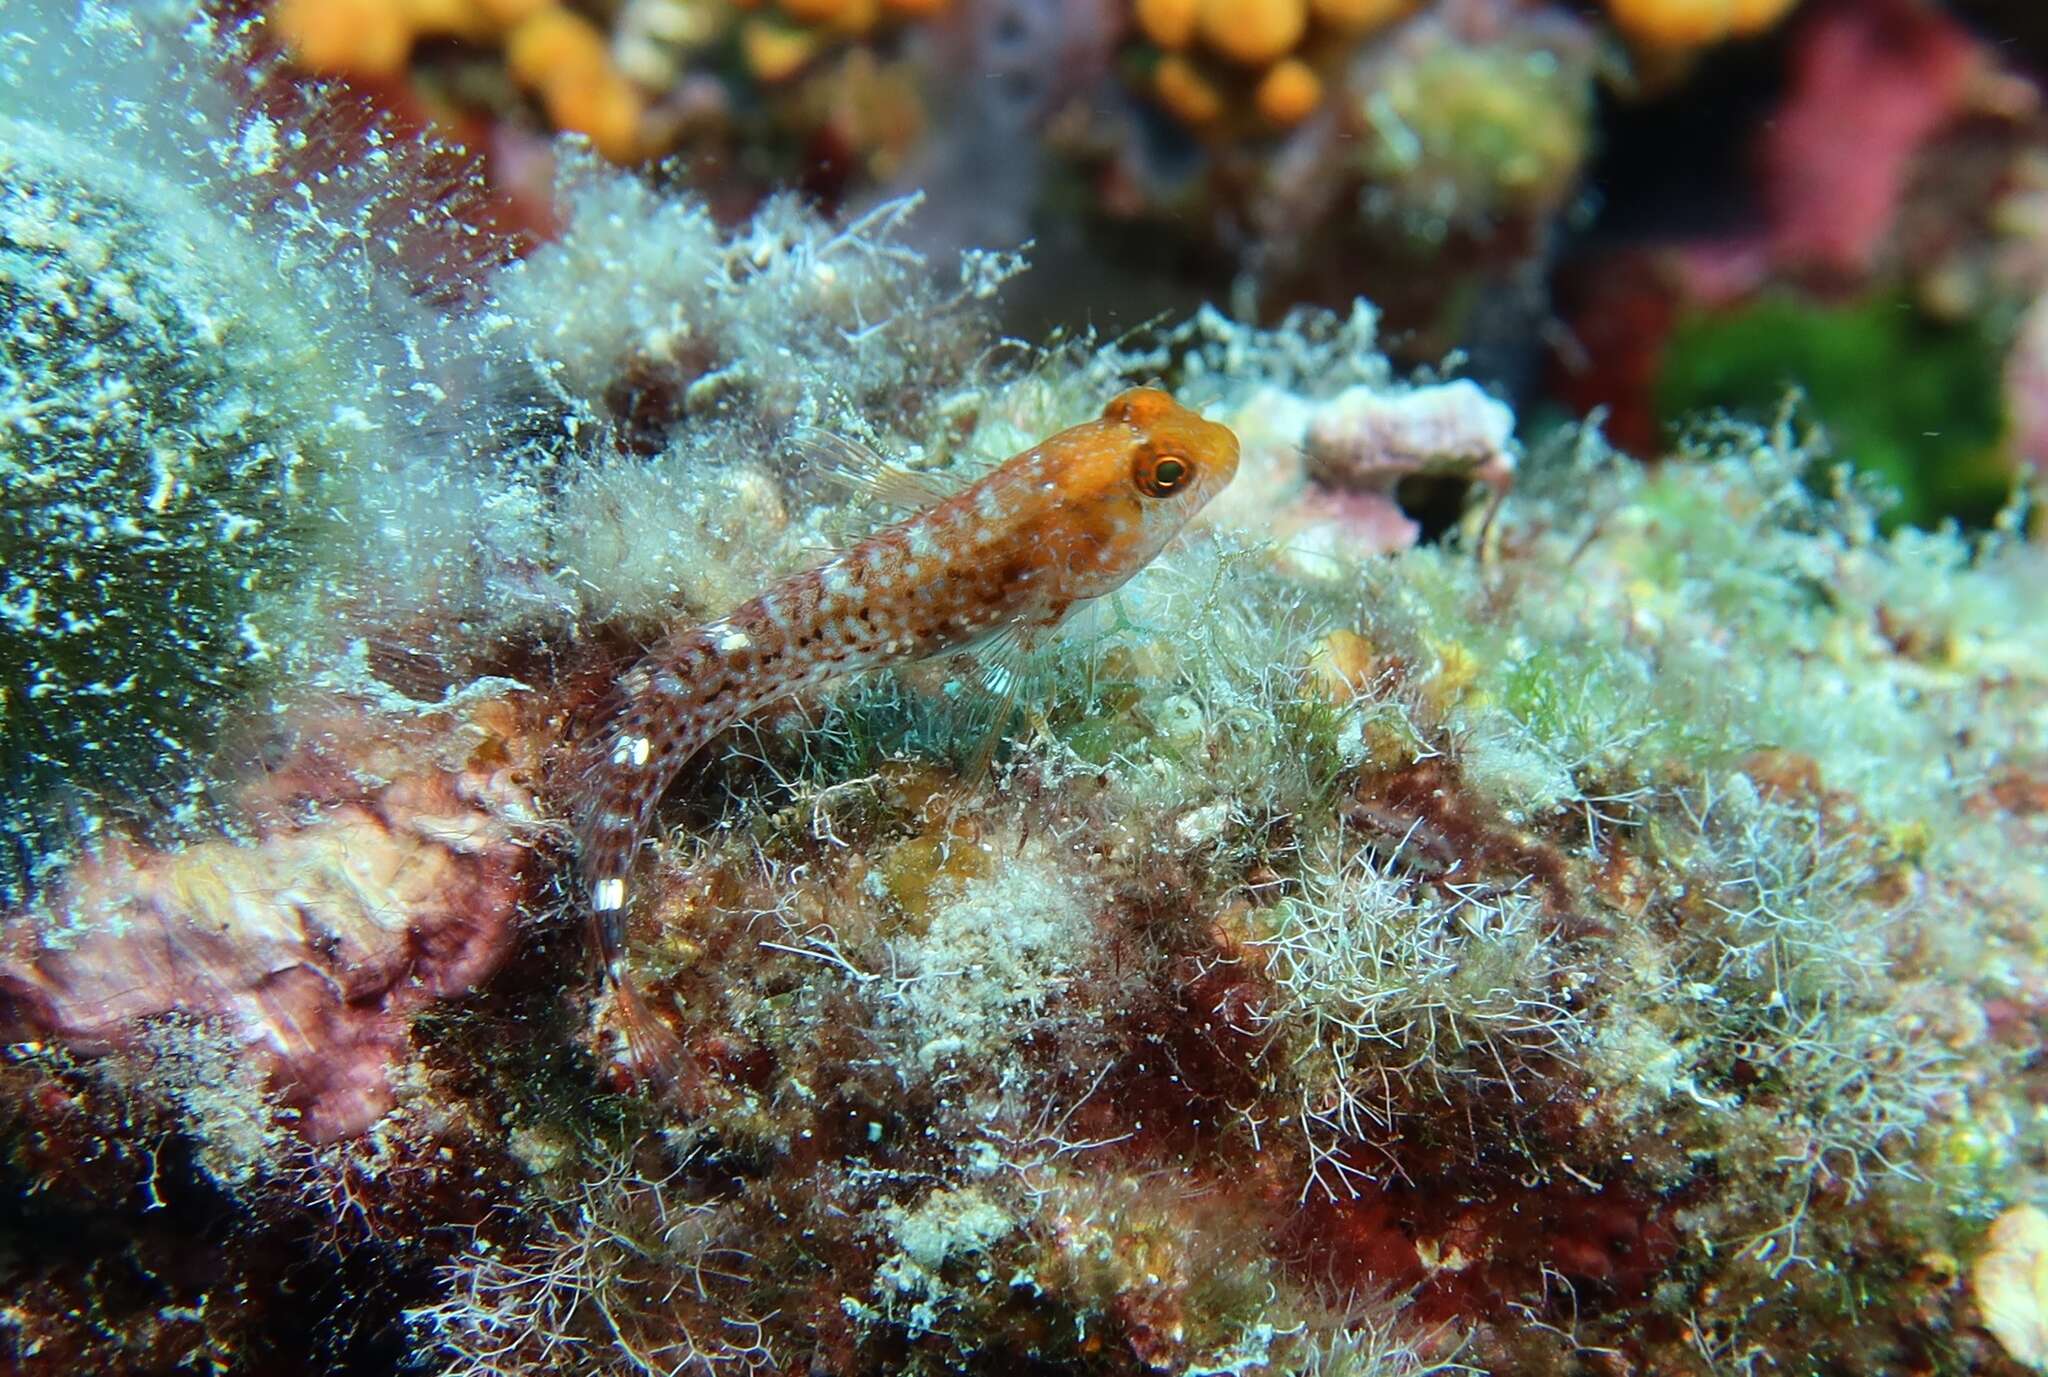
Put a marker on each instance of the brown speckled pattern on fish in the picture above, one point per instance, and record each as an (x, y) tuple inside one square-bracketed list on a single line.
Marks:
[(1070, 519)]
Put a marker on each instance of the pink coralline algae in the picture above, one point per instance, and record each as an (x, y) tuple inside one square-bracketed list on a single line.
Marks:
[(1874, 89), (311, 943), (1881, 79), (1366, 440), (1368, 437)]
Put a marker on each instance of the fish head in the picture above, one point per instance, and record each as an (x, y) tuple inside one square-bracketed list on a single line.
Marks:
[(1120, 487), (1178, 460)]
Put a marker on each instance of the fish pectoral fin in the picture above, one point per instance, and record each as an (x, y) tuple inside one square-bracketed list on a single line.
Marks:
[(1001, 657), (857, 467), (1001, 661)]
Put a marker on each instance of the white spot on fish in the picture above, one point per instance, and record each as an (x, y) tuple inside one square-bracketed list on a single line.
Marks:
[(631, 750), (608, 895), (730, 641)]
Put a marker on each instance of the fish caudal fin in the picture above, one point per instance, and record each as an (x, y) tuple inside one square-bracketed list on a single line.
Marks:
[(653, 1054)]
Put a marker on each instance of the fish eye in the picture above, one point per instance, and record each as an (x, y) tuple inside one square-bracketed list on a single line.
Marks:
[(1162, 475)]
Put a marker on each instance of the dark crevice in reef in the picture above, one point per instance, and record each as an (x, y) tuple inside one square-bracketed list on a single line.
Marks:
[(154, 1269)]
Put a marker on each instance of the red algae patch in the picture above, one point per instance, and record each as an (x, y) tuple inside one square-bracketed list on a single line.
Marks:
[(311, 943)]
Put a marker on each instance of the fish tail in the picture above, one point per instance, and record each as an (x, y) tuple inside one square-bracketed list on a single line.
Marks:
[(615, 802), (653, 1054), (661, 718)]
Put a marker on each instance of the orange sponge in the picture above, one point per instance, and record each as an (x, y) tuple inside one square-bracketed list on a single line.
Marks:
[(775, 51), (1681, 24), (555, 45), (1359, 16), (1253, 32), (1184, 91), (370, 38), (1169, 23), (564, 57), (1288, 93), (453, 18)]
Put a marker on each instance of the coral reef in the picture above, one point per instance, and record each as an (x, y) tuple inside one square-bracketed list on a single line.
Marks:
[(2008, 1281), (636, 83), (1450, 148), (2026, 388), (1474, 120), (1886, 80), (1606, 935)]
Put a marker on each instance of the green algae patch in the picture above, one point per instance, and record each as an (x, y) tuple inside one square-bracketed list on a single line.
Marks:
[(158, 488), (1911, 401)]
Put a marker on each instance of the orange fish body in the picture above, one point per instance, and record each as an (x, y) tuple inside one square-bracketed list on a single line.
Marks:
[(1067, 520)]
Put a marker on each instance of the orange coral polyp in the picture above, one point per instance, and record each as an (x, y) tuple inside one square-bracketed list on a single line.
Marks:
[(774, 51), (604, 107), (1185, 92), (555, 46), (1682, 24), (507, 13), (1288, 93), (848, 16), (564, 58), (449, 18), (1253, 32), (1169, 23), (560, 56), (1359, 16), (1754, 16)]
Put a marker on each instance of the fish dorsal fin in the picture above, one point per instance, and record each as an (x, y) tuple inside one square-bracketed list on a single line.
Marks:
[(853, 465)]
